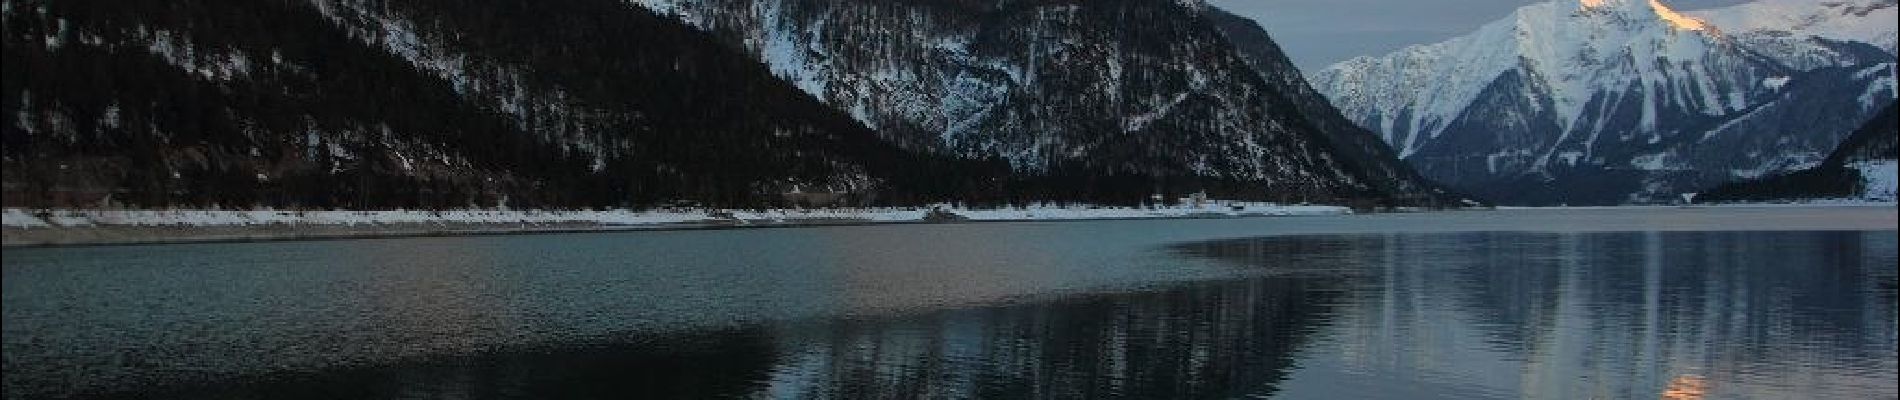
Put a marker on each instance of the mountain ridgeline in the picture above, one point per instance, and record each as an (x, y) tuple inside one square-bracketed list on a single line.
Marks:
[(601, 103)]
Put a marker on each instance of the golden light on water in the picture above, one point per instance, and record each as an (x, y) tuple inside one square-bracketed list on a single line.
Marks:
[(1687, 387)]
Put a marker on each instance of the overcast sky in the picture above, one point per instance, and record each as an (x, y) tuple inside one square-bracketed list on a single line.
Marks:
[(1317, 33)]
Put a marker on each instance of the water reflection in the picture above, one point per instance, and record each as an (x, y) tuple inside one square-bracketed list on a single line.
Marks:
[(1205, 341), (1675, 315), (722, 364), (1605, 315)]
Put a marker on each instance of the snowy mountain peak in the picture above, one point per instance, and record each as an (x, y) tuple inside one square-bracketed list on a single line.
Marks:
[(1571, 47), (1675, 18), (1615, 86), (1639, 10)]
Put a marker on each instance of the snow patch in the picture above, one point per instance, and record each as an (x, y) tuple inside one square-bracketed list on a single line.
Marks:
[(1879, 179), (19, 218), (1570, 157), (790, 55), (1665, 161), (1882, 90), (1774, 82)]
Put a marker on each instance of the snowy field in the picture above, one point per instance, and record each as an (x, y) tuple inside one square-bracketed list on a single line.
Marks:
[(24, 218)]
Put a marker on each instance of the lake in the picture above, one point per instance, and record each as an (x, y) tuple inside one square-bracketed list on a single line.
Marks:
[(1788, 302)]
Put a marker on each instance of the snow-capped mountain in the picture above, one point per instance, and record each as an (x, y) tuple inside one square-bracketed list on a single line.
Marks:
[(1611, 101), (1145, 88)]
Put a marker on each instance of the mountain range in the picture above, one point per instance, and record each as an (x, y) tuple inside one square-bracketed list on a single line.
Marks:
[(369, 104), (1626, 101), (603, 103)]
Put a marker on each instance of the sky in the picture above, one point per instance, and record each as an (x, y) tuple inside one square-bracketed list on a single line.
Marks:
[(1318, 33)]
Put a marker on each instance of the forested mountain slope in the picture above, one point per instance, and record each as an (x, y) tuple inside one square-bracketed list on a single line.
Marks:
[(1863, 167), (424, 104)]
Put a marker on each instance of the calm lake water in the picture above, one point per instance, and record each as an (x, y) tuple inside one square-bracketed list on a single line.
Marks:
[(1629, 303)]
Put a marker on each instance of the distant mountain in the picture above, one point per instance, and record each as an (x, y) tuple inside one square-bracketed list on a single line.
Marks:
[(1618, 101), (1865, 166), (1810, 34), (1151, 91)]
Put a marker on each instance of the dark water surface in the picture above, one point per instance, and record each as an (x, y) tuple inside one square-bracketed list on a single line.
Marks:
[(1634, 303)]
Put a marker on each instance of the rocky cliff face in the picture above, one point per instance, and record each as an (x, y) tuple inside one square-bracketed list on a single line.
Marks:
[(1609, 101), (1120, 87)]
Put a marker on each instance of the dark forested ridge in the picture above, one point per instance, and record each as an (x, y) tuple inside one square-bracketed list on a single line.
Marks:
[(1356, 146), (242, 102), (1878, 139), (459, 103)]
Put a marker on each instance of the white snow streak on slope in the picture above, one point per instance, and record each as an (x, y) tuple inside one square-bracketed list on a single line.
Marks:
[(788, 53), (1420, 76), (178, 50), (1882, 90), (1141, 121)]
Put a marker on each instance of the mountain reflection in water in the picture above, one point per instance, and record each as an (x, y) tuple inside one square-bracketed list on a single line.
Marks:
[(1599, 315), (1431, 315)]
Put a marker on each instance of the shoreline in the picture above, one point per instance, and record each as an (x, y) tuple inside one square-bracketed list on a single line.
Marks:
[(86, 228), (17, 238), (104, 228)]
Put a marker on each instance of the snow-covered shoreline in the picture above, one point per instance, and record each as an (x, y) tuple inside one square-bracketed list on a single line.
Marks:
[(33, 227), (1776, 204)]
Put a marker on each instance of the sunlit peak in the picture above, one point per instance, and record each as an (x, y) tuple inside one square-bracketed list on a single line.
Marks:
[(1675, 18), (1602, 4), (1662, 11)]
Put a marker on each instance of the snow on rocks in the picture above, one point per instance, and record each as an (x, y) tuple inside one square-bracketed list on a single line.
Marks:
[(1212, 209), (1879, 179), (18, 218)]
